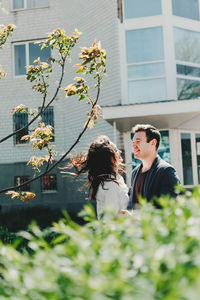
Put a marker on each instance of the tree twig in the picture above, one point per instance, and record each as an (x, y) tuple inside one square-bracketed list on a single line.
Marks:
[(47, 170), (43, 108)]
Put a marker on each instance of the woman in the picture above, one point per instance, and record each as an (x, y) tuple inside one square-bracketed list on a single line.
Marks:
[(103, 163)]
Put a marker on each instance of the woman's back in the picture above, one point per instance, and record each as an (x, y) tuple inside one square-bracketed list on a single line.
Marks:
[(112, 195)]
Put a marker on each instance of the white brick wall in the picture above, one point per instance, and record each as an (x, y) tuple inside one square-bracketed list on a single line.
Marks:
[(97, 20)]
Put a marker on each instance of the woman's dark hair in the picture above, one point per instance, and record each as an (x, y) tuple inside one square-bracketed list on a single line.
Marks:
[(102, 163)]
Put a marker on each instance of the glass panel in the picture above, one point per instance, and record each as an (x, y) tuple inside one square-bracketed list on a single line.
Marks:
[(141, 8), (164, 149), (147, 70), (186, 158), (144, 45), (198, 155), (150, 90), (188, 70), (37, 3), (19, 121), (186, 9), (48, 118), (49, 183), (187, 45), (18, 4), (135, 162), (35, 52), (20, 59), (187, 89)]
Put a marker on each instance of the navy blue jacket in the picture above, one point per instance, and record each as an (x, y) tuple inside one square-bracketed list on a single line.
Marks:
[(160, 180)]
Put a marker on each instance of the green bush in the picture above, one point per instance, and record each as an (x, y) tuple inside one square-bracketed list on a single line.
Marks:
[(6, 236), (154, 254)]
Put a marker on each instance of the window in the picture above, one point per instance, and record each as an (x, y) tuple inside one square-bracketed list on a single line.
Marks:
[(187, 158), (24, 4), (20, 180), (20, 119), (187, 51), (49, 183), (26, 53), (186, 8), (164, 147), (48, 118), (197, 140), (145, 65), (141, 8)]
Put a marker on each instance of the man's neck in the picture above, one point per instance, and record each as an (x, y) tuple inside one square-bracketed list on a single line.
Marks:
[(147, 163)]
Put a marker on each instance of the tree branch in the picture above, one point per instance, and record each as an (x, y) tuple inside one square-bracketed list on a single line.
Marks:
[(43, 108), (64, 155)]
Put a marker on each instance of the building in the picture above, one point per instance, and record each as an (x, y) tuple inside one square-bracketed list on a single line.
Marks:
[(33, 20), (160, 80), (153, 68)]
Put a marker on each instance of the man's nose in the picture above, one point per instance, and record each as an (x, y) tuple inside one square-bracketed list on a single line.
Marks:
[(134, 146)]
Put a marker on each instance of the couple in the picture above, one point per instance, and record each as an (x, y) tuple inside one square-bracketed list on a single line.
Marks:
[(103, 164)]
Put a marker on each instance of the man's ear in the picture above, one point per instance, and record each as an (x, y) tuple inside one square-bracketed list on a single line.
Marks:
[(154, 142)]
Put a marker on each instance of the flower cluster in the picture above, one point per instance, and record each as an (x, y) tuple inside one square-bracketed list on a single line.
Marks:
[(5, 31)]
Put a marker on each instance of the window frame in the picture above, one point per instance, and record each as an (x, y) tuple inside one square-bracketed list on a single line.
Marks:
[(25, 6), (27, 56), (193, 155), (15, 136), (182, 62), (131, 28), (51, 190), (22, 188)]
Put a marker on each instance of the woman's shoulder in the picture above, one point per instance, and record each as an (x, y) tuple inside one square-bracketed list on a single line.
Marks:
[(117, 184)]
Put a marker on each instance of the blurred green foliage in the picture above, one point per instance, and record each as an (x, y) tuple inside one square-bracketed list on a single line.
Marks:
[(153, 254)]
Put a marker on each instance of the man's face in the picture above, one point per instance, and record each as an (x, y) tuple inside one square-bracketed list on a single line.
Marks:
[(141, 148)]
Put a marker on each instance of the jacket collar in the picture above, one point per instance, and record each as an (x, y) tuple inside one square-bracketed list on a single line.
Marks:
[(154, 164)]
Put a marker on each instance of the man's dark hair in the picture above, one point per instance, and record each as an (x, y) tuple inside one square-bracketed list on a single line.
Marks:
[(151, 132)]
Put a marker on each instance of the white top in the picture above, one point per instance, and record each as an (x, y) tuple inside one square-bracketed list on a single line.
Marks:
[(113, 195)]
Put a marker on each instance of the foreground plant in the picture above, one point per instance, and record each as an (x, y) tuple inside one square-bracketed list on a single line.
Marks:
[(152, 255)]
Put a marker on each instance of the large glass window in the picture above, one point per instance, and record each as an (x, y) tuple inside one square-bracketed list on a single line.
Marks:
[(144, 45), (20, 120), (141, 8), (23, 4), (187, 159), (187, 45), (186, 8), (20, 59), (143, 91), (145, 65), (28, 51), (187, 51)]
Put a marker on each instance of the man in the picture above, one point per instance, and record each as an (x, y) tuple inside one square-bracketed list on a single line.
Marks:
[(153, 177)]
